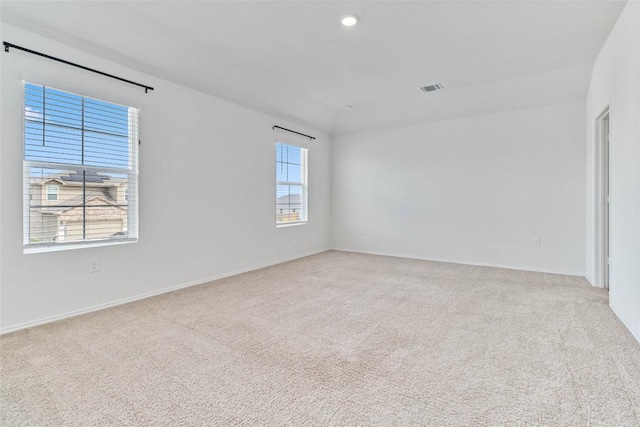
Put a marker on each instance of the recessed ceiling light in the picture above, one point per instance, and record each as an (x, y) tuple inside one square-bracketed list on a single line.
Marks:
[(349, 20)]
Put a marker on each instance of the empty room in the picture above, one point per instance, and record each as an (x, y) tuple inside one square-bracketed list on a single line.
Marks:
[(320, 213)]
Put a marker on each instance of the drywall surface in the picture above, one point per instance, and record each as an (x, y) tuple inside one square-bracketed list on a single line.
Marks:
[(615, 82), (207, 192), (476, 190)]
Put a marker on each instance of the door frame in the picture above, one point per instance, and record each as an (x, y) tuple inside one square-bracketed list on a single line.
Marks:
[(602, 192)]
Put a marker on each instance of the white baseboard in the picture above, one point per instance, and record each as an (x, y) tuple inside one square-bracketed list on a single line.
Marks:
[(74, 313), (452, 261), (634, 331), (590, 280)]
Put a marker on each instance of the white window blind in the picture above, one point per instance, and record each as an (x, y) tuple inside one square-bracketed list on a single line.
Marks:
[(87, 150), (292, 198)]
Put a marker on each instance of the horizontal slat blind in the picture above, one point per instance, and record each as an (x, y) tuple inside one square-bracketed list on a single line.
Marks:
[(81, 168), (291, 184)]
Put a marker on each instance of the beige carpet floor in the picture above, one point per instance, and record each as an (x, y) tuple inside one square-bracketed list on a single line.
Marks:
[(335, 339)]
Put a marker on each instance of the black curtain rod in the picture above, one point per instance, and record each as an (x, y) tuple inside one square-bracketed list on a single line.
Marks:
[(8, 45), (293, 131)]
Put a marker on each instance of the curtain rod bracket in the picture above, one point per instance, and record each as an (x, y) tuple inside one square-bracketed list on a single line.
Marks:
[(8, 45)]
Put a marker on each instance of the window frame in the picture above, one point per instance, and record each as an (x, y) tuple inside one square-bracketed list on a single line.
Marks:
[(131, 172), (304, 184), (55, 193)]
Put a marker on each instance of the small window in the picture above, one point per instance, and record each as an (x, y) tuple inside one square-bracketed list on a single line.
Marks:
[(291, 184), (89, 148), (52, 192)]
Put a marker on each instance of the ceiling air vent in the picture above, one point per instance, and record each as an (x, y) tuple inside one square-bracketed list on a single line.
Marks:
[(431, 88)]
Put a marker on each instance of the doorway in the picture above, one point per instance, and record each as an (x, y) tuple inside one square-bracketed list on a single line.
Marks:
[(603, 198)]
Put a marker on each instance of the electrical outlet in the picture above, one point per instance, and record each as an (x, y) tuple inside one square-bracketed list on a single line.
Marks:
[(537, 242), (94, 266)]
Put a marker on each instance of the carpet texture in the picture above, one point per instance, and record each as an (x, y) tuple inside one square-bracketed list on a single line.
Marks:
[(335, 339)]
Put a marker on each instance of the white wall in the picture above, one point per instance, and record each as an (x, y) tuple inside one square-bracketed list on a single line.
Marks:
[(207, 201), (616, 82), (472, 190)]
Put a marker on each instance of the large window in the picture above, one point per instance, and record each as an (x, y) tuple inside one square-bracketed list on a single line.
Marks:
[(291, 184), (80, 169)]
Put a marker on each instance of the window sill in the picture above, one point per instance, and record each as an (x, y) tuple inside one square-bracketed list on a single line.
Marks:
[(36, 249), (291, 224)]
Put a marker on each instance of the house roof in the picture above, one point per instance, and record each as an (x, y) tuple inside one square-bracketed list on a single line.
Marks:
[(96, 208), (90, 194), (289, 199), (87, 176), (75, 178)]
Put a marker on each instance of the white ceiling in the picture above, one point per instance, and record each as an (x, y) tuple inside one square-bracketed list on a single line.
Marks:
[(294, 59)]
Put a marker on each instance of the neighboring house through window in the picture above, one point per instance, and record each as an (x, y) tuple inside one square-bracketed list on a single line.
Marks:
[(81, 169), (291, 184)]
